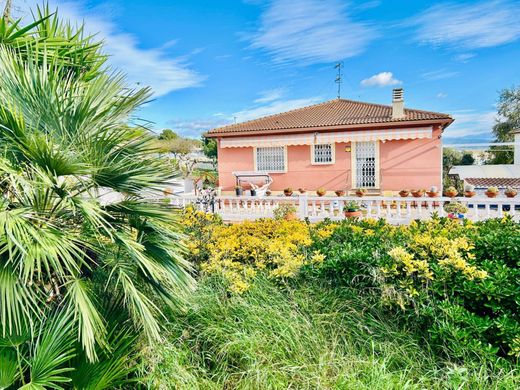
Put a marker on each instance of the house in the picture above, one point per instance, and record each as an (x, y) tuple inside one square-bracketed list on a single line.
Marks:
[(338, 144), (499, 175)]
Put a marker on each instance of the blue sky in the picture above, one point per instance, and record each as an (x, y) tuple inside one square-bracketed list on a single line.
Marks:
[(210, 62)]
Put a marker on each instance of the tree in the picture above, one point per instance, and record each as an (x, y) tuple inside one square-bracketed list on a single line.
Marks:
[(509, 120), (450, 158), (209, 147), (84, 259), (167, 135)]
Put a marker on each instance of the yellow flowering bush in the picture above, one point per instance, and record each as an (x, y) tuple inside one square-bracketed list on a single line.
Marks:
[(240, 251)]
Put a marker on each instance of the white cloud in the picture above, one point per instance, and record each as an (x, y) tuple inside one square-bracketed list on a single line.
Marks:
[(152, 67), (469, 26), (382, 79), (274, 107), (471, 122), (310, 31), (464, 57), (439, 74), (270, 95), (194, 128), (442, 95)]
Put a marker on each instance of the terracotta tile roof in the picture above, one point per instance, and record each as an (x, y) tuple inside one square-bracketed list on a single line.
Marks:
[(483, 182), (337, 112)]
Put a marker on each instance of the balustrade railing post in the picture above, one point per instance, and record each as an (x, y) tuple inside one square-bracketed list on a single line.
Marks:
[(303, 207)]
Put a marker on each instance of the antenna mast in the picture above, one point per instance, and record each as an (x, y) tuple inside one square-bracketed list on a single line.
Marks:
[(338, 80)]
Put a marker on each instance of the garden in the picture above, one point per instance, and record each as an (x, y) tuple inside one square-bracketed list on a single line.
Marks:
[(119, 292), (351, 304)]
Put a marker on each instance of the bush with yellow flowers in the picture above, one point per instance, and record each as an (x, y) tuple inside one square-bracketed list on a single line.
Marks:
[(457, 284), (276, 247)]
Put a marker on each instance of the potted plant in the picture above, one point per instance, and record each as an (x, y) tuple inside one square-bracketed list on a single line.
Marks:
[(285, 211), (361, 192), (451, 192), (302, 190), (352, 210), (433, 192), (238, 190), (510, 192), (404, 193), (252, 191), (340, 192), (268, 193), (492, 192), (418, 193), (456, 210), (321, 191), (469, 191), (287, 191)]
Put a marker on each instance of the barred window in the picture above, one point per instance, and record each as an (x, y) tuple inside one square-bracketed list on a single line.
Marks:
[(270, 159), (365, 164), (323, 154)]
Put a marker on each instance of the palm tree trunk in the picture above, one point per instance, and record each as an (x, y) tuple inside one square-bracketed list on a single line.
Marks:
[(7, 10)]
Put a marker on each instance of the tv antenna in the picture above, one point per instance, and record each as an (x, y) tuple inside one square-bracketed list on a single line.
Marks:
[(339, 67)]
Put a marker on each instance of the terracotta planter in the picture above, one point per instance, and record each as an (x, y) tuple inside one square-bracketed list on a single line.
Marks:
[(417, 194), (469, 194), (291, 217), (287, 193), (268, 193), (491, 194), (360, 193), (432, 194), (404, 194), (353, 214), (320, 193), (340, 193), (302, 191), (511, 194), (451, 194)]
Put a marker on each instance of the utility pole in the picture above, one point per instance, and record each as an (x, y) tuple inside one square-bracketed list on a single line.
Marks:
[(338, 80), (7, 10)]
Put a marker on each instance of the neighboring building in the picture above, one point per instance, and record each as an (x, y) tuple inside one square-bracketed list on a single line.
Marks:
[(484, 176), (339, 144)]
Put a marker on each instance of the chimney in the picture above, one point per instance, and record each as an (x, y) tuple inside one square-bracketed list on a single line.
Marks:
[(397, 103), (516, 147)]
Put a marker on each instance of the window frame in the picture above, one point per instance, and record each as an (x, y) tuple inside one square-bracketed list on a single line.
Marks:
[(353, 161), (332, 153), (285, 160)]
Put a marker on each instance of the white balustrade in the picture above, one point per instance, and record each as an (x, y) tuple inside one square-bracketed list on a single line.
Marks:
[(396, 210)]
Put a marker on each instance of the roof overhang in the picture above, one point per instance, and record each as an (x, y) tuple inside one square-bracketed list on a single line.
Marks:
[(359, 127), (329, 137)]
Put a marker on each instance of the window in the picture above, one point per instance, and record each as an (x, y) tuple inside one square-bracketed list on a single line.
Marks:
[(322, 154), (270, 159), (365, 165)]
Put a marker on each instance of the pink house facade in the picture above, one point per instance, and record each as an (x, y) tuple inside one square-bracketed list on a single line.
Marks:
[(337, 145)]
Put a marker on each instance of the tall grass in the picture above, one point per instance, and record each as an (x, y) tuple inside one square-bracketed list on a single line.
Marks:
[(300, 337)]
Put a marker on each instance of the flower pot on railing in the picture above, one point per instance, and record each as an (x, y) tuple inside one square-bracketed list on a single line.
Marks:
[(404, 193), (238, 191), (353, 214), (339, 192), (361, 192), (288, 191), (268, 193), (302, 190), (510, 192), (491, 194), (253, 192), (432, 194), (469, 194), (417, 193), (321, 191), (451, 192)]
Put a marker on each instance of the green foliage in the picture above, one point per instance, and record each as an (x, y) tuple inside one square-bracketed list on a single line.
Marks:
[(75, 231), (209, 147), (284, 210), (456, 284), (450, 158), (168, 134), (303, 336)]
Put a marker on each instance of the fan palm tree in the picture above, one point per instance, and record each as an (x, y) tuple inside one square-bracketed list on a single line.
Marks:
[(76, 233)]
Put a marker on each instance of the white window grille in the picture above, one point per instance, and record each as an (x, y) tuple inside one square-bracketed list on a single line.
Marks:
[(270, 159), (365, 164), (323, 154)]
